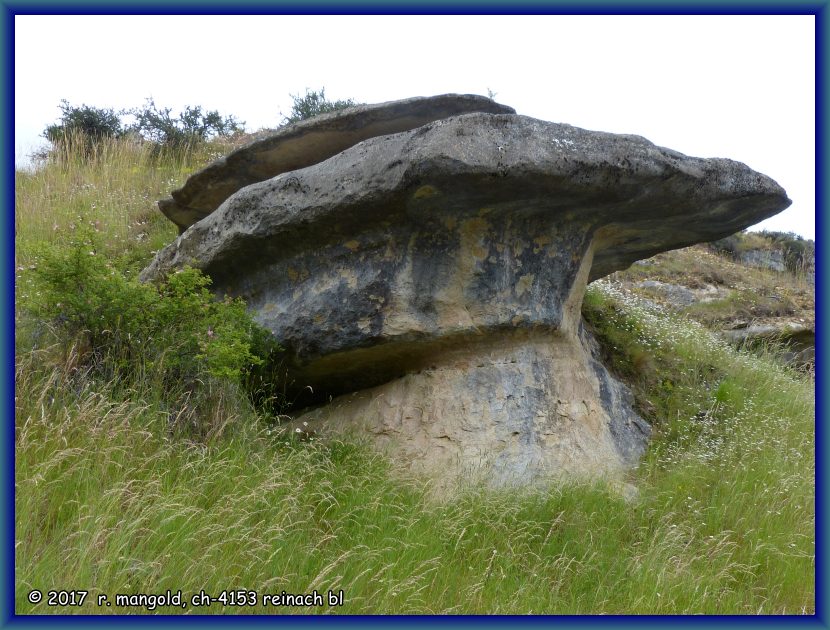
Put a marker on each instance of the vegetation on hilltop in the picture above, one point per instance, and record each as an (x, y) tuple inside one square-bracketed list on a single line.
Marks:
[(798, 253), (313, 103), (135, 474), (85, 129)]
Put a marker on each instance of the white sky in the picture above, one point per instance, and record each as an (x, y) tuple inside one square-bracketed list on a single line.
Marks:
[(741, 87)]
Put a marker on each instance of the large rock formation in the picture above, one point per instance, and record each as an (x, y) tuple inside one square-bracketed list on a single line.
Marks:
[(432, 280), (309, 142)]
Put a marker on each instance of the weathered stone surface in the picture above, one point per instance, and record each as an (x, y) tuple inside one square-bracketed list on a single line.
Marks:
[(677, 296), (513, 409), (798, 338), (309, 142), (445, 266), (765, 259)]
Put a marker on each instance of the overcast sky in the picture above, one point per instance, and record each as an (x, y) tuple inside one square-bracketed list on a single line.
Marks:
[(709, 86)]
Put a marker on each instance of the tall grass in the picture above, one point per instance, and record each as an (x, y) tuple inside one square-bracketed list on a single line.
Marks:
[(110, 500), (113, 190)]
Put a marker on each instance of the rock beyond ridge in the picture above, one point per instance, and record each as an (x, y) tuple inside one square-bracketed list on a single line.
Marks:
[(431, 280)]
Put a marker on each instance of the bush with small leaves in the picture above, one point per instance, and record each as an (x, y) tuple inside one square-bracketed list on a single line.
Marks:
[(176, 334), (192, 126), (90, 126), (83, 125), (313, 104)]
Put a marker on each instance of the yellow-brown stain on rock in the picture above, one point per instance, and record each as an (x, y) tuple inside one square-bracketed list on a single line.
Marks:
[(425, 192), (473, 234), (450, 222), (572, 306), (402, 318), (541, 242), (454, 309), (518, 247), (297, 275), (352, 245), (524, 284)]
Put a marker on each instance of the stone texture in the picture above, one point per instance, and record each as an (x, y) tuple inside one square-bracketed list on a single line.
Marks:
[(309, 142), (798, 338), (514, 409), (765, 259), (439, 272), (677, 296)]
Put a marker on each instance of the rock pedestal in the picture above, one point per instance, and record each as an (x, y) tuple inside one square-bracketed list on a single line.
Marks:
[(432, 280), (510, 410)]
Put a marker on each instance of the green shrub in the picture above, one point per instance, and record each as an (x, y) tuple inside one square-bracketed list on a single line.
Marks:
[(313, 104), (175, 333), (89, 126), (83, 125), (189, 128)]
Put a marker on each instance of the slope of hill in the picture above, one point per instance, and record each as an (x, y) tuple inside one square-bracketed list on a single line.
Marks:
[(761, 303), (125, 484)]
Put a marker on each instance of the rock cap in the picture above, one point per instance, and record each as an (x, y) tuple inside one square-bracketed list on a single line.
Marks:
[(308, 142)]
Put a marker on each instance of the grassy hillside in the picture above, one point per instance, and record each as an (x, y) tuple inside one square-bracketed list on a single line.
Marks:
[(112, 496), (727, 290)]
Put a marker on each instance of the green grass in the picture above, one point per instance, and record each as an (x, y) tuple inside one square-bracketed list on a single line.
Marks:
[(109, 499), (741, 304), (113, 192)]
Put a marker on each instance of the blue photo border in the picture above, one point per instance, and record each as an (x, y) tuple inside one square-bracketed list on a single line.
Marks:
[(10, 8)]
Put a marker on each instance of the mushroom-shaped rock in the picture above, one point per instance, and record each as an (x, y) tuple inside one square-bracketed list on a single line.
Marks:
[(308, 142), (432, 280)]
